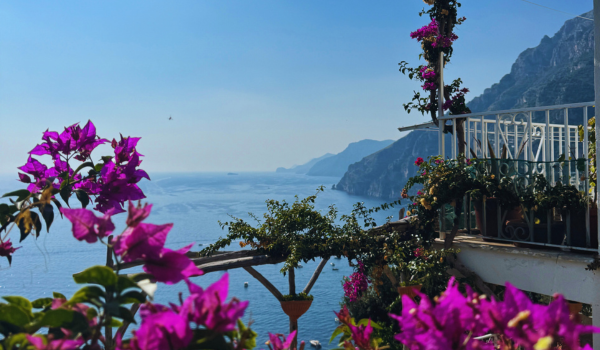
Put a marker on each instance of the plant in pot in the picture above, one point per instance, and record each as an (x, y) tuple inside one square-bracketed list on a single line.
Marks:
[(443, 183), (295, 305)]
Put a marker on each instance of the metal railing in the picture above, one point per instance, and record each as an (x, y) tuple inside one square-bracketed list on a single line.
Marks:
[(528, 142)]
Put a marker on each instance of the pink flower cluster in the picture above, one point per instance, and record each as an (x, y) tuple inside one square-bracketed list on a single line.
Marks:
[(139, 241), (172, 327), (114, 185), (360, 335), (419, 161), (427, 31), (454, 320), (356, 284), (460, 94)]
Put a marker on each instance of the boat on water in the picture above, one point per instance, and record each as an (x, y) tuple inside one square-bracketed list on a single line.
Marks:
[(335, 269), (337, 320), (300, 266), (332, 264), (232, 174), (245, 284), (315, 343)]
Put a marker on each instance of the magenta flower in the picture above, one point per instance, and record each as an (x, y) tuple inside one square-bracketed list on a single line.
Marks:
[(125, 149), (88, 227), (137, 213), (7, 250), (40, 343), (144, 241), (73, 138), (39, 171), (209, 307), (469, 161), (277, 344), (171, 266), (118, 185), (419, 161), (419, 193), (356, 284), (438, 161), (361, 335), (162, 330), (427, 31)]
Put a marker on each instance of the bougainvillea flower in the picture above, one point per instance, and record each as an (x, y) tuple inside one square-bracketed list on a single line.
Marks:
[(209, 307), (356, 284), (144, 241), (87, 226), (419, 161), (125, 148), (39, 171), (7, 250), (361, 335), (41, 343), (450, 323), (162, 330), (277, 344), (137, 214), (171, 266), (425, 32), (116, 187)]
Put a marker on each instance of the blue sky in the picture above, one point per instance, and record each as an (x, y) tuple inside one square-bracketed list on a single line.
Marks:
[(251, 85)]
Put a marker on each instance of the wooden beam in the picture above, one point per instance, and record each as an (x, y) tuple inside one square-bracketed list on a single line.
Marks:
[(241, 262), (315, 275), (198, 260), (292, 279), (265, 282)]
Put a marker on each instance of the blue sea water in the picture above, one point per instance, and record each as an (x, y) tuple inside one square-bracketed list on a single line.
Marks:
[(195, 203)]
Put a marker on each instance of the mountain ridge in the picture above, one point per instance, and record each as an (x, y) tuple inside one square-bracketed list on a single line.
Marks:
[(557, 71)]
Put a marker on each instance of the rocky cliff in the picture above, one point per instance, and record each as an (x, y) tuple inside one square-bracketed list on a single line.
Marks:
[(338, 164), (558, 71)]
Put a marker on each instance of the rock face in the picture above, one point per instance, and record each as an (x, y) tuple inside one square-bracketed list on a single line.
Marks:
[(558, 71), (384, 173), (304, 168), (338, 164)]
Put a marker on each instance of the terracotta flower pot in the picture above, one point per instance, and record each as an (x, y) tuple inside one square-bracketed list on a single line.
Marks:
[(295, 308), (411, 291)]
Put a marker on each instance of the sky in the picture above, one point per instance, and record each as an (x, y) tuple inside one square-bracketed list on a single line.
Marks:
[(250, 85)]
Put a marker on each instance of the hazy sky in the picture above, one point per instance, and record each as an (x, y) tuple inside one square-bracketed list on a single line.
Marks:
[(251, 85)]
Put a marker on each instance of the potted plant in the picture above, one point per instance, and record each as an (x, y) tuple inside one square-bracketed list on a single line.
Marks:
[(296, 305)]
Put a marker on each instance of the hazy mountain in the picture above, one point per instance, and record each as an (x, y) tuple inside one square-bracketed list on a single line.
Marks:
[(338, 164), (558, 71), (304, 168)]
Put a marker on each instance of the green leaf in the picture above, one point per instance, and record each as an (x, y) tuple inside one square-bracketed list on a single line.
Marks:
[(47, 211), (37, 223), (99, 167), (16, 341), (86, 164), (581, 162), (58, 206), (115, 323), (65, 193), (250, 335), (58, 295), (87, 294), (125, 282), (19, 301), (125, 314), (132, 297), (339, 330), (83, 198), (206, 339), (20, 194), (42, 303), (14, 315), (56, 318), (101, 275)]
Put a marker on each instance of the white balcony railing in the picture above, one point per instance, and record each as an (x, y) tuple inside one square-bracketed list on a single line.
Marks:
[(526, 142)]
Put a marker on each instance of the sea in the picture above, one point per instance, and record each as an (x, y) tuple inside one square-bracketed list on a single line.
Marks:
[(195, 203)]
